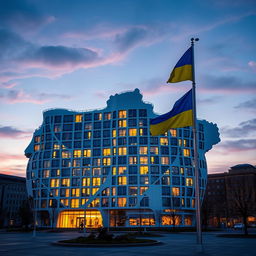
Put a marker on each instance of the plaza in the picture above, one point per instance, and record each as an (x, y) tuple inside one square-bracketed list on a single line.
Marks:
[(175, 244)]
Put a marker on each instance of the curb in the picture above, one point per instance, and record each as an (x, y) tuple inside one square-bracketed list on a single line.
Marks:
[(106, 245)]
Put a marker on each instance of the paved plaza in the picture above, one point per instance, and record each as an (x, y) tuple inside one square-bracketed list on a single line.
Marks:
[(12, 244)]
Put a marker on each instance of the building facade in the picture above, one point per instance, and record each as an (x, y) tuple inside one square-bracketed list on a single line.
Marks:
[(103, 168), (230, 196), (13, 193)]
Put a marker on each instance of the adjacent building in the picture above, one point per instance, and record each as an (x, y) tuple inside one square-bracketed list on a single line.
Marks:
[(13, 193), (230, 196), (103, 168)]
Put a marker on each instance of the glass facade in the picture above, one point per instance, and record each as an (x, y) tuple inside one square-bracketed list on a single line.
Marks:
[(105, 163)]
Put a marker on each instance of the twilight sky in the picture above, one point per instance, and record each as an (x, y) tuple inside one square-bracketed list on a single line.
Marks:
[(75, 54)]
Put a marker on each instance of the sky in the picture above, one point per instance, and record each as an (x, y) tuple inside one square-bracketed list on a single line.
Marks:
[(75, 54)]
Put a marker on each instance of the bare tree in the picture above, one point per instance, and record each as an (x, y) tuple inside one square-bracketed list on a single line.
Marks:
[(242, 197)]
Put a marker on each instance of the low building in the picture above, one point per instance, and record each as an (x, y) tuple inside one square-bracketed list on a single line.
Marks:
[(103, 168), (13, 193), (230, 196)]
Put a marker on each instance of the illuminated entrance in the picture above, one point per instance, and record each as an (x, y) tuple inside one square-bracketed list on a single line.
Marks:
[(75, 219)]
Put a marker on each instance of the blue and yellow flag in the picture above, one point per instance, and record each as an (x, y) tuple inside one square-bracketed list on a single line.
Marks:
[(181, 115), (183, 69)]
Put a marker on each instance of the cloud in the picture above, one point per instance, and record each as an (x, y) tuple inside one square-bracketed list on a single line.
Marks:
[(242, 130), (227, 84), (241, 145), (249, 104), (19, 96), (12, 133), (252, 65), (22, 15)]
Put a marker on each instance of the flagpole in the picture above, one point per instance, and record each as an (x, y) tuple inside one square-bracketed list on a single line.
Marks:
[(195, 140)]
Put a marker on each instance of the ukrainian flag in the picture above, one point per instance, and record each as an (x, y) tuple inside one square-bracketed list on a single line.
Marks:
[(181, 115), (183, 69)]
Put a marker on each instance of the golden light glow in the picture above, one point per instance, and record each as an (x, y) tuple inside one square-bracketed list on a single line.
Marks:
[(95, 181), (143, 190), (122, 180), (78, 118), (122, 132), (144, 169), (132, 159), (77, 153), (173, 132), (113, 133), (121, 170), (154, 150), (106, 161), (143, 150), (106, 151), (163, 141), (54, 183), (164, 160), (186, 152), (73, 219), (74, 203), (65, 182), (122, 123), (132, 132), (189, 182), (86, 182), (143, 160), (122, 114), (75, 192), (121, 201), (175, 191), (65, 154), (36, 147), (122, 151)]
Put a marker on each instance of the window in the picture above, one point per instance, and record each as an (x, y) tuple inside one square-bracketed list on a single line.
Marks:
[(95, 181), (132, 122), (87, 153), (54, 183), (143, 170), (154, 150), (132, 180), (144, 180), (97, 116), (132, 160), (143, 131), (121, 202), (122, 114), (68, 118), (189, 182), (122, 180), (107, 116), (175, 191), (164, 160), (173, 132), (106, 152), (122, 151), (77, 153), (142, 112), (74, 203), (106, 161), (65, 182), (163, 141), (88, 126), (86, 182), (186, 152), (133, 191), (132, 132), (122, 132), (121, 170), (122, 123), (143, 150), (143, 160), (78, 118)]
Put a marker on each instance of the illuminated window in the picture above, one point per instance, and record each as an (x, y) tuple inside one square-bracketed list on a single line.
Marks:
[(121, 170), (56, 146), (173, 132), (66, 154), (64, 202), (143, 190), (46, 173), (96, 182), (121, 202), (36, 147), (55, 154), (77, 153), (144, 169), (74, 203), (175, 191), (54, 183), (75, 192), (144, 180), (87, 153), (106, 161), (114, 142), (65, 182), (132, 132), (107, 116), (96, 161), (122, 123), (132, 160), (113, 133), (87, 135), (122, 180), (154, 150), (189, 182), (122, 114), (113, 170), (37, 139), (186, 143), (78, 118), (86, 182), (143, 160), (181, 170), (163, 141), (64, 192), (186, 152), (143, 150), (106, 151), (76, 162), (164, 160), (85, 192), (122, 132), (122, 151), (95, 202), (180, 142), (94, 191)]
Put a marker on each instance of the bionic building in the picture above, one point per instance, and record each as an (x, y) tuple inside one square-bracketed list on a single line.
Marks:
[(103, 168)]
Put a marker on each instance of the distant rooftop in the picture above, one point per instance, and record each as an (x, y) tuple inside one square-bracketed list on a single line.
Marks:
[(11, 178)]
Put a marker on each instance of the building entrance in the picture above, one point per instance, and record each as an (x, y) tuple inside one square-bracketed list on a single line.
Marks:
[(74, 219)]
